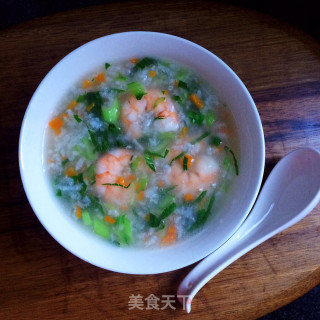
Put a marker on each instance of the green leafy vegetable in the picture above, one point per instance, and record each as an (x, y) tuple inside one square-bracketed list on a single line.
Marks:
[(107, 65), (101, 228), (235, 162), (159, 118), (117, 185), (96, 99), (76, 117), (143, 63), (200, 197), (150, 161), (215, 141), (123, 230), (158, 101), (136, 89), (158, 155), (182, 85), (121, 77), (185, 163), (203, 136), (156, 222), (111, 114), (80, 98), (143, 183), (86, 218), (167, 211), (210, 118), (178, 99), (65, 161), (195, 117), (180, 155), (135, 163), (59, 193)]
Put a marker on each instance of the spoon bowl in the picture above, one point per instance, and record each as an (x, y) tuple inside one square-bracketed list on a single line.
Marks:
[(291, 191)]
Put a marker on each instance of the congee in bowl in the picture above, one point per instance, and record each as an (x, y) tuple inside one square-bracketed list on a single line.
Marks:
[(142, 151)]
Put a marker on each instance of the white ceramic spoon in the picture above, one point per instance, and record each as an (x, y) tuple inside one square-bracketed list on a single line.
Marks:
[(291, 191)]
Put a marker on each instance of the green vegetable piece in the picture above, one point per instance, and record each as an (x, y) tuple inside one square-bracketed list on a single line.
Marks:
[(158, 101), (210, 118), (136, 89), (167, 211), (143, 63), (107, 65), (101, 228), (123, 230), (181, 74), (185, 163), (91, 174), (65, 161), (195, 117), (121, 77), (117, 185), (215, 141), (143, 183), (180, 155), (182, 85), (200, 197), (235, 162), (76, 117), (59, 193), (149, 161), (178, 99), (111, 115), (80, 98), (96, 99), (154, 221), (203, 136), (135, 163), (159, 155), (86, 218)]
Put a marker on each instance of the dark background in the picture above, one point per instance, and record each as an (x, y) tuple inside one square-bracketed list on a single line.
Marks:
[(302, 14)]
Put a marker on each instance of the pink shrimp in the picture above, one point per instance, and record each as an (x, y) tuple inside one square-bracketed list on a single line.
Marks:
[(135, 112), (113, 167), (202, 173)]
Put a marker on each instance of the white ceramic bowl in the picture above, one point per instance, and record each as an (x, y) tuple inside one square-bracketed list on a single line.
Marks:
[(87, 245)]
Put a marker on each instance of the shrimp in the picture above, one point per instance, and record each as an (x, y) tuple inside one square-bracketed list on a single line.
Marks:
[(136, 113), (114, 167), (202, 173)]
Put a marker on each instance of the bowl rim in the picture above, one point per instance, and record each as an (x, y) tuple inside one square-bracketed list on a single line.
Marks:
[(260, 157)]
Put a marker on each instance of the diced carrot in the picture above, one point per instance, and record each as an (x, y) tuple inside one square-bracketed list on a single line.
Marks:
[(188, 197), (131, 177), (124, 207), (56, 125), (89, 107), (147, 217), (140, 195), (160, 183), (100, 78), (87, 84), (196, 100), (72, 104), (78, 212), (190, 160), (219, 149), (184, 132), (121, 180), (152, 73), (165, 92), (70, 172), (64, 115), (109, 219), (175, 82), (137, 186), (134, 60), (171, 235)]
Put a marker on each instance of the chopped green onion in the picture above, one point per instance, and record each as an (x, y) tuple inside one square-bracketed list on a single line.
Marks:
[(80, 98), (216, 141), (180, 155), (76, 117), (136, 89), (59, 193), (111, 114), (107, 65), (235, 162), (185, 163), (149, 161), (65, 161), (101, 228), (210, 118), (117, 185), (158, 101), (203, 136), (182, 85), (135, 163), (86, 218)]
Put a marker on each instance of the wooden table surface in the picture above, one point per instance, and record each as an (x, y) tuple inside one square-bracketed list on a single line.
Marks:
[(280, 66)]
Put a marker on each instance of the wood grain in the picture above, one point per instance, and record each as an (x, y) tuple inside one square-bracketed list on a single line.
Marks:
[(280, 66)]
